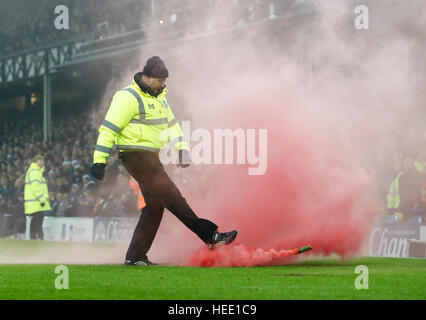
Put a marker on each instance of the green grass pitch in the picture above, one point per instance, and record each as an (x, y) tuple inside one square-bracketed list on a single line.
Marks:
[(326, 278)]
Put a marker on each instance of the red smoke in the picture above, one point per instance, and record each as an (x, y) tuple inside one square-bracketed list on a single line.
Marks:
[(237, 255), (312, 192), (333, 121), (320, 170)]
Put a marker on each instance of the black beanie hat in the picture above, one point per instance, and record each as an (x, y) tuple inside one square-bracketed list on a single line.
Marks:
[(155, 68)]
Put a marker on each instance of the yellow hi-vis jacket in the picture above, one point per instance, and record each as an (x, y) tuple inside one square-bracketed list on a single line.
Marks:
[(136, 121), (35, 191), (420, 166), (393, 198)]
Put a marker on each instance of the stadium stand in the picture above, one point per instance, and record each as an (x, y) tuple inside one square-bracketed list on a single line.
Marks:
[(28, 24)]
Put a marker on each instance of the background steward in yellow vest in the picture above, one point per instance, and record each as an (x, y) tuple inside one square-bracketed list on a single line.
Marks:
[(36, 196)]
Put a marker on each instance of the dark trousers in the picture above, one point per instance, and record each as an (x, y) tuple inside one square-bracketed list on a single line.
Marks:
[(36, 225), (159, 192)]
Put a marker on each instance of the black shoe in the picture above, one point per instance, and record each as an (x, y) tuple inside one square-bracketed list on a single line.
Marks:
[(222, 238), (143, 262)]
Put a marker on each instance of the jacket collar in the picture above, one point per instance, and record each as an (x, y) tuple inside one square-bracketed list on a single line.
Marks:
[(144, 88), (35, 166)]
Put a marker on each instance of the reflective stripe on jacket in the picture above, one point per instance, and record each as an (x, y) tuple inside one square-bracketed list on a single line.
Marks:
[(136, 120), (35, 191)]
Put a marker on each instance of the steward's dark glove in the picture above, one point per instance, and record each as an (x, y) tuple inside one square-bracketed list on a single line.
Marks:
[(183, 159), (42, 204), (97, 171)]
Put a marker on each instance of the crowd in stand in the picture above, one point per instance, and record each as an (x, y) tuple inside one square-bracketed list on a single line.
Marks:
[(28, 24), (68, 157)]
